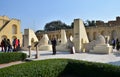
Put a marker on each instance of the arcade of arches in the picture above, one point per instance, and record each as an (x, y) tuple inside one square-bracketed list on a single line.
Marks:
[(110, 30)]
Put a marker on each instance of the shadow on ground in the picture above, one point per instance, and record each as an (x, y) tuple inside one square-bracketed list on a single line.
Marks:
[(117, 54), (57, 53), (115, 63)]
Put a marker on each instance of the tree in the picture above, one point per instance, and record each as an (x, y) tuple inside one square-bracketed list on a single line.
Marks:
[(39, 31), (90, 23), (72, 25), (55, 25)]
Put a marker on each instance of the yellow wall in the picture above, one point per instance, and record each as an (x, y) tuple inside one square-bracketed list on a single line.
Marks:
[(8, 29)]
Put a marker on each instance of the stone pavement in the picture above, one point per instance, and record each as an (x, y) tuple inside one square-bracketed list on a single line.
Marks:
[(113, 58)]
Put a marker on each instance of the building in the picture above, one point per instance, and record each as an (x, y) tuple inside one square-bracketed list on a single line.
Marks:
[(110, 30), (10, 29)]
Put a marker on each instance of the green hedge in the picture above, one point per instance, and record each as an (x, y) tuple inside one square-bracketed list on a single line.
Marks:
[(61, 68), (12, 56)]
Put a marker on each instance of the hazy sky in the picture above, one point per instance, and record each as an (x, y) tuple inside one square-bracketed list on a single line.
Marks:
[(36, 13)]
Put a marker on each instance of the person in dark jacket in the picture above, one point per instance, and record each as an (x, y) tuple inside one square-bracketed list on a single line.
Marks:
[(113, 43), (117, 44), (54, 43), (9, 45), (5, 44), (2, 45)]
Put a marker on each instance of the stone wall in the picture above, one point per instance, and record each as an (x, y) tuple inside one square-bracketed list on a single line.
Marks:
[(106, 30)]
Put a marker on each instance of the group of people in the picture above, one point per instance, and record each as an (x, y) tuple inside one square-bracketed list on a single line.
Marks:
[(116, 44), (6, 45)]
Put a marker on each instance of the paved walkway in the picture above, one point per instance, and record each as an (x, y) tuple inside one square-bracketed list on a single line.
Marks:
[(10, 64), (113, 58)]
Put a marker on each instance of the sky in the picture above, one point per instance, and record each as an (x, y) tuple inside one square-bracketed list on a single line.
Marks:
[(34, 14)]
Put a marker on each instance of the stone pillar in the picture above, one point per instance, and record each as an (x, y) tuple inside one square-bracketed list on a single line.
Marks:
[(80, 35), (29, 48), (63, 37), (37, 53)]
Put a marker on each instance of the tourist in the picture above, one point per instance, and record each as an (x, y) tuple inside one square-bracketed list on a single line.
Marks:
[(15, 44), (18, 47), (54, 43), (117, 44), (113, 43), (5, 44), (2, 45), (9, 45)]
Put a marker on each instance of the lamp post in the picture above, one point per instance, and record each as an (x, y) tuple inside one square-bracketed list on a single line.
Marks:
[(37, 53)]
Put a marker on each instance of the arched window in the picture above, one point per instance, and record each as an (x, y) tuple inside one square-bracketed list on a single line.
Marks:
[(4, 36), (57, 36), (103, 33), (94, 35), (14, 29), (13, 37), (113, 34)]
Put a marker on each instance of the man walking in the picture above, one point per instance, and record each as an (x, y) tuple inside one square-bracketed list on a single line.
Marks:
[(54, 43)]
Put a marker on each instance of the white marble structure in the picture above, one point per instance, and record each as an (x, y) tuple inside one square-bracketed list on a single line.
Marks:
[(63, 45), (43, 44), (29, 38), (99, 46), (80, 36), (63, 37)]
